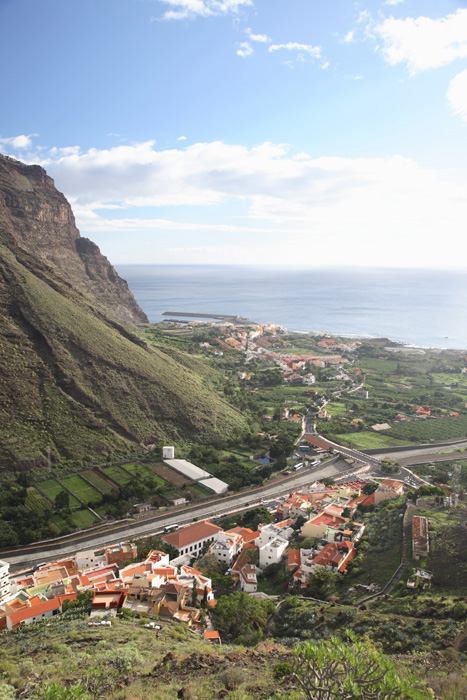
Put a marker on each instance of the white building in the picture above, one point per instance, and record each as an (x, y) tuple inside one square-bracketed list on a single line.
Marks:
[(272, 552), (4, 580), (248, 581), (192, 538), (226, 547), (90, 559)]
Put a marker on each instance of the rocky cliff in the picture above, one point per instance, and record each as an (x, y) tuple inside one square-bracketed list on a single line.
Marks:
[(41, 221), (74, 380)]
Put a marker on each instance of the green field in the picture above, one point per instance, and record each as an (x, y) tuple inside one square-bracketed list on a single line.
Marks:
[(81, 489), (432, 429), (117, 474), (36, 500), (51, 488), (367, 440), (144, 472), (97, 481), (84, 518)]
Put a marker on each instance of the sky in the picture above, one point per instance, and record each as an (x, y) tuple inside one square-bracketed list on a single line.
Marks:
[(311, 132)]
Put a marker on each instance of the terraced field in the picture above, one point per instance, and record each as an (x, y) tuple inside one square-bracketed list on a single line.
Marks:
[(51, 488), (36, 500), (117, 474), (81, 489), (144, 472), (84, 518), (95, 479)]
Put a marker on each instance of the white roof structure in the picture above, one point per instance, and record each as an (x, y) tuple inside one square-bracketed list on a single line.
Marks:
[(187, 469), (215, 485)]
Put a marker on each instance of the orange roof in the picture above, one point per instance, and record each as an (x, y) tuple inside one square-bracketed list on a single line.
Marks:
[(293, 558), (192, 533), (34, 610), (369, 500), (245, 533), (213, 634)]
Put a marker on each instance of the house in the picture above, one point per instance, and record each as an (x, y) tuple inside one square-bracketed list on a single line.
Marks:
[(90, 558), (119, 553), (334, 556), (326, 524), (420, 537), (244, 573), (272, 551), (107, 601), (389, 488), (226, 547), (293, 559), (25, 608), (248, 536), (191, 539)]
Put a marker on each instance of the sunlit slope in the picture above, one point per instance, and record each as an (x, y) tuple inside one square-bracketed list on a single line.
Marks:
[(75, 381)]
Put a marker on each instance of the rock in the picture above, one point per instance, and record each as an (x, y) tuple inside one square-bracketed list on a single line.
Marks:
[(41, 221)]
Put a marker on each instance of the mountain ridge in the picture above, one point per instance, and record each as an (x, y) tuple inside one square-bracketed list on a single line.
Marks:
[(41, 221)]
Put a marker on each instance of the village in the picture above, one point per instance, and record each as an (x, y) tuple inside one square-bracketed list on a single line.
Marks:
[(171, 587)]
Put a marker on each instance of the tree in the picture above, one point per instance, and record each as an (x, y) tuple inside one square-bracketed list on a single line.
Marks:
[(369, 488), (321, 584), (333, 670), (240, 613), (194, 594), (62, 500)]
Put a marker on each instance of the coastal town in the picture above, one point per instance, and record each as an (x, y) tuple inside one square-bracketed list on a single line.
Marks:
[(322, 521)]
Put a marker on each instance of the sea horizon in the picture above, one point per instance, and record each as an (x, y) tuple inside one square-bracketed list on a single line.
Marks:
[(422, 307)]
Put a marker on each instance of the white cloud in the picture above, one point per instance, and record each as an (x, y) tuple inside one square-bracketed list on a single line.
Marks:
[(181, 138), (189, 9), (334, 209), (314, 51), (22, 141), (393, 2), (423, 42), (457, 94), (245, 49), (349, 37), (261, 38)]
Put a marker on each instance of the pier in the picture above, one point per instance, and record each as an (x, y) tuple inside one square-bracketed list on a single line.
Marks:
[(239, 320)]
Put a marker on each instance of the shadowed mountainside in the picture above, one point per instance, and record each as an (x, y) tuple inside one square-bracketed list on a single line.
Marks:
[(73, 379)]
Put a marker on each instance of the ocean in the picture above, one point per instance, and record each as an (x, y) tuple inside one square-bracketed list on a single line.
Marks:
[(426, 308)]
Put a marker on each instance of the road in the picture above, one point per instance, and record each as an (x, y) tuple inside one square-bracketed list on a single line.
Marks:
[(32, 554)]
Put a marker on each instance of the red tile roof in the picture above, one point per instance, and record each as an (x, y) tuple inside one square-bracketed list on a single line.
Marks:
[(211, 634), (191, 533), (34, 610), (293, 558)]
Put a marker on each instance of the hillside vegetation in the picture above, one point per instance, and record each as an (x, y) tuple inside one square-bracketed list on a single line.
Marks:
[(74, 381)]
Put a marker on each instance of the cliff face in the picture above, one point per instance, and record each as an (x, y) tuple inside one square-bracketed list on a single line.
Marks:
[(41, 221), (74, 381)]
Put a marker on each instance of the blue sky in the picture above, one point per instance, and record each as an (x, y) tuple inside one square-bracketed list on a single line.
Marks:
[(247, 131)]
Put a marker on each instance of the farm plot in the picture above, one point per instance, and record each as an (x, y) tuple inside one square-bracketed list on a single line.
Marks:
[(36, 501), (95, 479), (170, 475), (51, 488), (144, 472), (367, 440), (117, 474), (432, 429), (84, 518), (81, 489)]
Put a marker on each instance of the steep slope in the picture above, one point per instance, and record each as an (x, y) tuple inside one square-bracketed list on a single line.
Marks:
[(73, 380), (41, 221)]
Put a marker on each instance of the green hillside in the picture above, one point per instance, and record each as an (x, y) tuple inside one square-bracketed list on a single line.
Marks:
[(76, 382)]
